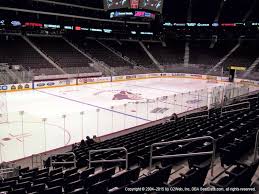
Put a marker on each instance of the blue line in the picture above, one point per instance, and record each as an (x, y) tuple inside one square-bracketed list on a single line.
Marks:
[(92, 105)]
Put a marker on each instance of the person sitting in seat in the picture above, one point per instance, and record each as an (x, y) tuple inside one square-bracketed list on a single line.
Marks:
[(96, 139), (225, 99), (89, 141), (174, 117), (82, 144)]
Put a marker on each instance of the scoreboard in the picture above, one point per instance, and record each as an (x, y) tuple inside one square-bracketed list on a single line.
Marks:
[(133, 15), (116, 4), (152, 5), (134, 4)]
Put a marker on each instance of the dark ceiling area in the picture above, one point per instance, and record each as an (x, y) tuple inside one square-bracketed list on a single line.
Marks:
[(174, 10), (177, 18)]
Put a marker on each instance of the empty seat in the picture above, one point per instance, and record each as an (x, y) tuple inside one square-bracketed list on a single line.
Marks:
[(106, 174), (55, 171), (53, 190), (56, 182), (38, 188), (71, 186), (85, 173), (100, 187), (25, 185), (78, 191)]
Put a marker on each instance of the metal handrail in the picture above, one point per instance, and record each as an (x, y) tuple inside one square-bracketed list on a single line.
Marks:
[(6, 171), (201, 116), (3, 169), (236, 110), (36, 157), (241, 103), (250, 98), (68, 153), (126, 160), (256, 146), (222, 172), (213, 152)]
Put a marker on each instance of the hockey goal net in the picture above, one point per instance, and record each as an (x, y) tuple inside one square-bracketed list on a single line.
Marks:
[(3, 108)]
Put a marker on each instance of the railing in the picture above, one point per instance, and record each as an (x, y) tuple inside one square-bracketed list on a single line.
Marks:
[(213, 152), (109, 161), (256, 146), (38, 160), (4, 172), (200, 116), (235, 110), (250, 98), (222, 172), (63, 154)]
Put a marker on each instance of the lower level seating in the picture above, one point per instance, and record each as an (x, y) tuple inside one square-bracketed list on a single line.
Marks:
[(234, 134)]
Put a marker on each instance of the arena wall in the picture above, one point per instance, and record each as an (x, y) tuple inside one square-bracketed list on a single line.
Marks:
[(93, 80)]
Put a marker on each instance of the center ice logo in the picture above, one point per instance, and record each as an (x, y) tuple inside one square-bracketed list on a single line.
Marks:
[(121, 95), (124, 95)]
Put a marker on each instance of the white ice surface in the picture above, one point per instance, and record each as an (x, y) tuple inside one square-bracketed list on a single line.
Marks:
[(70, 101)]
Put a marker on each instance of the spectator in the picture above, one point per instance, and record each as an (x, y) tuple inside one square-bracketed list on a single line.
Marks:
[(82, 143), (174, 117), (225, 98), (89, 141)]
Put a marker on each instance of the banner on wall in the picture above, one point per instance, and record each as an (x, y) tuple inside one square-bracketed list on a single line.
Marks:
[(14, 87), (247, 82), (90, 80), (128, 77), (178, 74), (165, 74), (69, 82), (196, 76), (47, 84), (82, 81), (141, 76), (3, 87), (20, 87), (27, 86), (63, 82), (225, 79), (94, 80), (210, 77), (119, 78), (65, 76), (102, 79), (154, 75)]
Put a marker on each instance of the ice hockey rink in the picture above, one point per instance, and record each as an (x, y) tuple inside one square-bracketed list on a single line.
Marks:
[(45, 119)]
